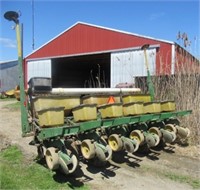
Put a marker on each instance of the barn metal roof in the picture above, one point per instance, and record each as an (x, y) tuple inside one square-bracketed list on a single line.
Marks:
[(100, 27), (8, 64)]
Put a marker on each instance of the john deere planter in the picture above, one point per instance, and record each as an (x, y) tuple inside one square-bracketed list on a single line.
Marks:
[(71, 126), (89, 124)]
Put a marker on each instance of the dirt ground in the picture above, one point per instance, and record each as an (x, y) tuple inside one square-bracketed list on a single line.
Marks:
[(125, 171)]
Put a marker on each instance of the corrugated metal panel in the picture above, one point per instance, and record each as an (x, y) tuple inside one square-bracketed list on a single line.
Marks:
[(8, 64), (40, 68), (9, 75), (129, 64)]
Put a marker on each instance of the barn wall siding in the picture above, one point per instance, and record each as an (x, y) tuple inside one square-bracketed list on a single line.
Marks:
[(84, 38), (9, 76), (125, 66), (40, 68)]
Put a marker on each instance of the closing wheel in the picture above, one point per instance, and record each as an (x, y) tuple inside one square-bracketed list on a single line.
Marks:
[(87, 149), (171, 128), (100, 154), (68, 167), (108, 153), (183, 132), (115, 142), (157, 139), (131, 146), (151, 140), (40, 151), (156, 131), (174, 136), (52, 158), (137, 135), (168, 137), (188, 132)]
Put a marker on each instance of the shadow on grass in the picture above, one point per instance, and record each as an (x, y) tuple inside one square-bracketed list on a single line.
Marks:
[(77, 179)]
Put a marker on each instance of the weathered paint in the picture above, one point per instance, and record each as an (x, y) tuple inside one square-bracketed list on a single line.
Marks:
[(85, 38)]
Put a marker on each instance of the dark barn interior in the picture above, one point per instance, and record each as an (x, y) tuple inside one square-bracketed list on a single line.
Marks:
[(81, 71)]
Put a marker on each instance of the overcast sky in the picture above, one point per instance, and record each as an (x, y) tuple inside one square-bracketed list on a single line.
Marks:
[(158, 19)]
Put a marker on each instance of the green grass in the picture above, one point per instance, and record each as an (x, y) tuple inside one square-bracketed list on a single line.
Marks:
[(13, 106), (7, 99), (17, 173), (195, 183)]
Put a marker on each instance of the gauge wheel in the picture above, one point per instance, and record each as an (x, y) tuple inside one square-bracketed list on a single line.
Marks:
[(171, 128), (183, 132), (137, 135), (87, 149), (115, 142), (156, 131), (51, 157)]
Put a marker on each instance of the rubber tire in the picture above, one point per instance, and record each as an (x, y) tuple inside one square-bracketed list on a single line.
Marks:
[(137, 135), (130, 147), (100, 154), (167, 136), (87, 149), (171, 128), (183, 132), (150, 140), (156, 131), (51, 158), (115, 142)]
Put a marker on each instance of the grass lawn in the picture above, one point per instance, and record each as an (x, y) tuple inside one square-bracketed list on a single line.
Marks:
[(18, 173)]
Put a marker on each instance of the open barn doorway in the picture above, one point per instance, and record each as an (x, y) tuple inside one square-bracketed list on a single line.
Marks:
[(81, 71)]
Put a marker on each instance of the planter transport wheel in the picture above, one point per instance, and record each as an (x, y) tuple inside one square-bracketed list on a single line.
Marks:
[(87, 149), (51, 157), (115, 142)]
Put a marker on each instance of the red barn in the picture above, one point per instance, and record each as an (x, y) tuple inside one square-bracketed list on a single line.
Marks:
[(87, 55)]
